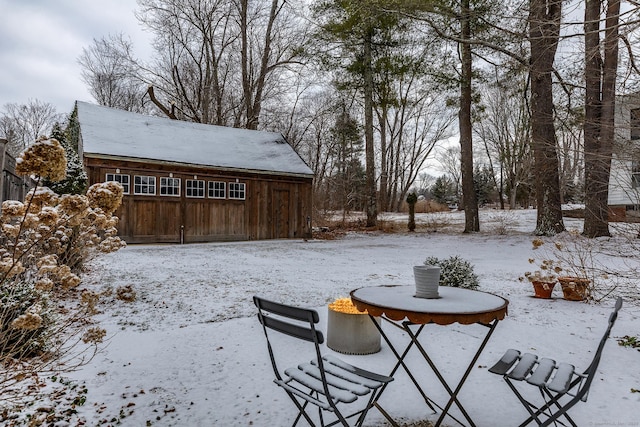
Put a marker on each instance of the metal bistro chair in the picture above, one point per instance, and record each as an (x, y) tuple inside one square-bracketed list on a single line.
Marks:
[(326, 380), (554, 380)]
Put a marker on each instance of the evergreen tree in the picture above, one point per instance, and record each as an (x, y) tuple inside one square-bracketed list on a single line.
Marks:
[(76, 180), (443, 190), (349, 179), (484, 184)]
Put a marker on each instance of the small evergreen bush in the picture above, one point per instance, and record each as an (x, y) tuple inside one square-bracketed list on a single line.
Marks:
[(455, 272)]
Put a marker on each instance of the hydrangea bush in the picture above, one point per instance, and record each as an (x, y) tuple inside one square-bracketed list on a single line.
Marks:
[(45, 241), (455, 272)]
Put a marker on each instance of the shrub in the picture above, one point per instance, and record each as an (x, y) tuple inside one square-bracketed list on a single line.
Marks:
[(455, 272), (24, 311), (46, 240)]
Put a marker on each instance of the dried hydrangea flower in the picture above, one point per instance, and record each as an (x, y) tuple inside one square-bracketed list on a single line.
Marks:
[(44, 284), (94, 335), (39, 197), (30, 320), (73, 204), (126, 293), (106, 195), (13, 208), (10, 268), (11, 230), (70, 281), (90, 300), (48, 215), (46, 158)]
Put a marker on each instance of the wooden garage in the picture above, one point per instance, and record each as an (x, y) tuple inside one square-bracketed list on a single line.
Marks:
[(188, 182)]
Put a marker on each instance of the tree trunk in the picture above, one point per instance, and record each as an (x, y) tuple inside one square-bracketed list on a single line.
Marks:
[(599, 114), (372, 203), (544, 29), (384, 167), (470, 199)]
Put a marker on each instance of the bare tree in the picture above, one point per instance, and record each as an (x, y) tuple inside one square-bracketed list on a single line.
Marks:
[(544, 33), (449, 160), (22, 124), (505, 130), (111, 74), (600, 75), (416, 127), (219, 60)]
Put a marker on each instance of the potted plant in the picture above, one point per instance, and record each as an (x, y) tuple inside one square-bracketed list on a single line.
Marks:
[(543, 282), (575, 288), (575, 285), (545, 278)]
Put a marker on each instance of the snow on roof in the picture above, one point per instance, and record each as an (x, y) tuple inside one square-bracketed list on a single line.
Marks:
[(108, 132)]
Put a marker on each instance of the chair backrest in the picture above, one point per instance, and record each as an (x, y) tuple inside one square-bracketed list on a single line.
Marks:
[(582, 393), (274, 316), (591, 370), (305, 331)]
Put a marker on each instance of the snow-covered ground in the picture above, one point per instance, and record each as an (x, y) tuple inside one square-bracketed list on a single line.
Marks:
[(189, 350)]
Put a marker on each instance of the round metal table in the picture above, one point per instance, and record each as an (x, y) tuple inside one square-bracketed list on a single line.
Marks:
[(398, 305)]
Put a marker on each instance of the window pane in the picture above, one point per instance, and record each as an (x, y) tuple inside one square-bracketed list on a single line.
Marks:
[(169, 186), (635, 123), (237, 190), (195, 188), (144, 184), (217, 189)]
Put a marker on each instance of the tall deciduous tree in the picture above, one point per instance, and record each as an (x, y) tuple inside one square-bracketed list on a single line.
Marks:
[(600, 75), (544, 33), (111, 75), (504, 128)]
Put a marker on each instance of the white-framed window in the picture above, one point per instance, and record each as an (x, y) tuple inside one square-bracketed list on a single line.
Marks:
[(217, 190), (635, 174), (144, 185), (237, 190), (121, 178), (169, 186), (195, 188), (635, 124)]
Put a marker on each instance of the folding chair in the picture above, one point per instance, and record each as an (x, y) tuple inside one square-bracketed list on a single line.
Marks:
[(324, 382), (554, 380)]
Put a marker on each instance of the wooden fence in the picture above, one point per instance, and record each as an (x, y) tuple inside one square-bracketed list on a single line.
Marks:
[(14, 187)]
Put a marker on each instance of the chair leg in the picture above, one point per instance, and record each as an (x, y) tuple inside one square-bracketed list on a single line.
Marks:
[(534, 415), (561, 411), (527, 405), (301, 411)]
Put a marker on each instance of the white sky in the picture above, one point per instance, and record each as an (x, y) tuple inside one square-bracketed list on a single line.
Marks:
[(41, 40)]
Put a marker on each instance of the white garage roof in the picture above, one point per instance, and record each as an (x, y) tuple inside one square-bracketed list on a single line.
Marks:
[(110, 133)]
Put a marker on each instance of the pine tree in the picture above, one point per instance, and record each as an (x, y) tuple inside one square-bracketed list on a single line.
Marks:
[(76, 180)]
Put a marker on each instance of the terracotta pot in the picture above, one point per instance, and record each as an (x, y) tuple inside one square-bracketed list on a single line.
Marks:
[(575, 288), (543, 289)]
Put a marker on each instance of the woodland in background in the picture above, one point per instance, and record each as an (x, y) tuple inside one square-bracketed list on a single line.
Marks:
[(371, 92)]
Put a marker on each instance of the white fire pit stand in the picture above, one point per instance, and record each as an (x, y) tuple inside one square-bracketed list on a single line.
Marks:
[(351, 333)]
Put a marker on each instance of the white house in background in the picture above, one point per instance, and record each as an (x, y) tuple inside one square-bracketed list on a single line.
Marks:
[(624, 183)]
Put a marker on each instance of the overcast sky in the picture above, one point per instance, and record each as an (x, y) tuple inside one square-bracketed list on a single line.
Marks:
[(41, 40)]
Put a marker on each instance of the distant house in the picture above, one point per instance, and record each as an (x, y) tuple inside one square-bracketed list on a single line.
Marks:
[(190, 182), (624, 183)]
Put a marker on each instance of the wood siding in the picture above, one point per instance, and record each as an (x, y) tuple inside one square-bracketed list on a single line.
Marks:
[(274, 207)]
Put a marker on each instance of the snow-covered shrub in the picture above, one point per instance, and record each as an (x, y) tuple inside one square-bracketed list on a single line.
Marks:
[(455, 272), (45, 240)]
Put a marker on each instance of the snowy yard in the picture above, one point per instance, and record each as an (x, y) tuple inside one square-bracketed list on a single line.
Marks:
[(189, 350)]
